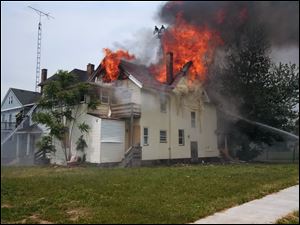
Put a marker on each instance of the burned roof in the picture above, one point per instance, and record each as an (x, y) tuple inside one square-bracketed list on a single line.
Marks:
[(81, 75), (143, 75), (26, 97)]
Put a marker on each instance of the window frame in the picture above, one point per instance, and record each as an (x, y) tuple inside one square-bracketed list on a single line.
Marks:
[(146, 136), (181, 137), (102, 95), (193, 120), (165, 136), (163, 104)]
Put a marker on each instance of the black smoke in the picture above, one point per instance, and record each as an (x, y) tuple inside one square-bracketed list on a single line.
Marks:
[(280, 18)]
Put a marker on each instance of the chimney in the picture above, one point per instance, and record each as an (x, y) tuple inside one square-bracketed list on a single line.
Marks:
[(169, 67), (43, 78), (44, 75), (90, 69)]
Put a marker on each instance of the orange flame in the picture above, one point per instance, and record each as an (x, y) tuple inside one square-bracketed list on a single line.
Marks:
[(111, 63), (188, 43)]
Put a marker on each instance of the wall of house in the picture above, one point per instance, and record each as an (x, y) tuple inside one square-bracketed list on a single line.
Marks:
[(92, 138), (208, 138), (6, 105), (126, 91), (178, 116), (8, 109), (5, 115)]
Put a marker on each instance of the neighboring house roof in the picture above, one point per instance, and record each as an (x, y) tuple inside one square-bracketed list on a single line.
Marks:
[(81, 75), (26, 97)]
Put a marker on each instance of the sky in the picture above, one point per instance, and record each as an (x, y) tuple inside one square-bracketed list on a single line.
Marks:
[(75, 37)]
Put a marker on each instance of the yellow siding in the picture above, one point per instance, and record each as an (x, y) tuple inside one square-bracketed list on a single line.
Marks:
[(179, 118)]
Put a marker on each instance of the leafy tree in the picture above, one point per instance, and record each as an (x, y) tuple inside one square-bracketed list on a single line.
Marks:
[(59, 106), (261, 91), (81, 143)]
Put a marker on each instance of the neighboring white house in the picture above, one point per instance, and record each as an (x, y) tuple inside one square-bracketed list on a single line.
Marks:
[(18, 142), (167, 121)]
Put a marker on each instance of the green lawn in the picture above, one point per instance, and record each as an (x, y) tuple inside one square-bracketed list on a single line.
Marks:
[(292, 218), (178, 194)]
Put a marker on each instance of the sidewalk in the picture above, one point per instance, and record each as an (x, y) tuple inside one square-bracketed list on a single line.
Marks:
[(261, 211)]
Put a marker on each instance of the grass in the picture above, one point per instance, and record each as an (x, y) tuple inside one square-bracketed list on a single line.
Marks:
[(292, 218), (178, 194)]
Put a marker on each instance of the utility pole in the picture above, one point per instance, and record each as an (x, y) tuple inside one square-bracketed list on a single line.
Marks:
[(39, 46)]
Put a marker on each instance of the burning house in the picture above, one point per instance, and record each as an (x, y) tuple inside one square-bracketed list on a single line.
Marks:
[(157, 121), (156, 113)]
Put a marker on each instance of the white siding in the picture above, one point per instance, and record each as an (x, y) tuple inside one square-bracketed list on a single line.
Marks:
[(92, 138), (208, 147), (5, 104), (93, 149)]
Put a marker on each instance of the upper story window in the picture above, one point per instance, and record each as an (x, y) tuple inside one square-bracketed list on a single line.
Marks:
[(163, 104), (104, 97), (193, 119), (10, 99), (3, 117)]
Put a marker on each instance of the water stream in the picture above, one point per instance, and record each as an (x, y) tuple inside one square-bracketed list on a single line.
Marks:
[(264, 125)]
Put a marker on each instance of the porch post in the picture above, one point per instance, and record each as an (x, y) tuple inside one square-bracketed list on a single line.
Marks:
[(131, 126), (17, 150), (28, 144)]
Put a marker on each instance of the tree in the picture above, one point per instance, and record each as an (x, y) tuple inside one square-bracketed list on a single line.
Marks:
[(45, 146), (59, 107), (81, 143), (261, 91)]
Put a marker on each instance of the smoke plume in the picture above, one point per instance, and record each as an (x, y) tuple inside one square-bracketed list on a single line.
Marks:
[(280, 18)]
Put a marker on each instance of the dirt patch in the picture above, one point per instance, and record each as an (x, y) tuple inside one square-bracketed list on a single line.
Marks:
[(75, 214), (32, 219), (6, 206), (40, 221)]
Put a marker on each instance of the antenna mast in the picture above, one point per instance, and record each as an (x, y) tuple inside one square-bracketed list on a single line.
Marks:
[(39, 46)]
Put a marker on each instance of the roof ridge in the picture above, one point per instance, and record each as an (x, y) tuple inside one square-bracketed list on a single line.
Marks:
[(18, 89)]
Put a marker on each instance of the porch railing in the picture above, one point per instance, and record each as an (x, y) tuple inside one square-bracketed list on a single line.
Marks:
[(8, 125)]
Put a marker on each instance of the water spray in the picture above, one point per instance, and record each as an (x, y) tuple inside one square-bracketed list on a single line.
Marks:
[(293, 136)]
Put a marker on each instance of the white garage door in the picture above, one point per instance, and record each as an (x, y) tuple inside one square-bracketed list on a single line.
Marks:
[(112, 140)]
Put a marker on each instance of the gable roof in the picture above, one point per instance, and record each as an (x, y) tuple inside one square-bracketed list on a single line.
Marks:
[(82, 76), (26, 97), (143, 75)]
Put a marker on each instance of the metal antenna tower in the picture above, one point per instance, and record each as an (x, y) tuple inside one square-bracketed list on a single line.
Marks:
[(39, 46)]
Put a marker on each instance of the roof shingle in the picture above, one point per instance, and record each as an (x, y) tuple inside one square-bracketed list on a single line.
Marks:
[(26, 97)]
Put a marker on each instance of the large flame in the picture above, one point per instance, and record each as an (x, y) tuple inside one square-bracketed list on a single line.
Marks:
[(188, 43), (111, 63)]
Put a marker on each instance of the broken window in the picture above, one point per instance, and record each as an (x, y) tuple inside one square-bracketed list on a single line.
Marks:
[(163, 136), (181, 137), (82, 98), (146, 136)]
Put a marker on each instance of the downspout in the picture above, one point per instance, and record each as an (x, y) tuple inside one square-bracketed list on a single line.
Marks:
[(131, 126), (170, 153)]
